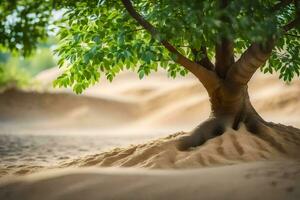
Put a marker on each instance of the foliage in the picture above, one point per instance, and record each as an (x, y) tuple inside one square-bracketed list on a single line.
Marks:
[(285, 58), (12, 75), (100, 38), (19, 71), (23, 24)]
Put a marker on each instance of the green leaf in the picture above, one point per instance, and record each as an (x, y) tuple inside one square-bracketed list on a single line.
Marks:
[(141, 74)]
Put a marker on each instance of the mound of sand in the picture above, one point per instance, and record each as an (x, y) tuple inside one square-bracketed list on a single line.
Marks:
[(230, 148), (279, 143)]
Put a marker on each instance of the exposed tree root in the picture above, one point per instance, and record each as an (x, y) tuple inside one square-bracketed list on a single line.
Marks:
[(214, 127), (262, 129), (210, 128)]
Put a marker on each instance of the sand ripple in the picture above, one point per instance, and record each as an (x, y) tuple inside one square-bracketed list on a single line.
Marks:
[(230, 148)]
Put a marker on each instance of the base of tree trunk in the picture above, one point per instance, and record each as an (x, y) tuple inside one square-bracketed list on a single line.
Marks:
[(230, 107), (214, 127), (275, 142)]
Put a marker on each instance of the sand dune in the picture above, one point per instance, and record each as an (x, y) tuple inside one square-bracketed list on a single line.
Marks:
[(155, 102), (62, 109)]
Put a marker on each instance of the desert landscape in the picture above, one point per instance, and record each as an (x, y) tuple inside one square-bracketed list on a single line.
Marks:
[(122, 135)]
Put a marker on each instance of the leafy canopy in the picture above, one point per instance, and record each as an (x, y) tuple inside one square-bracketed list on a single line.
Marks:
[(100, 37)]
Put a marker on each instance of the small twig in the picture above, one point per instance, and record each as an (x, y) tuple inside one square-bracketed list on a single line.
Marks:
[(298, 36), (135, 30)]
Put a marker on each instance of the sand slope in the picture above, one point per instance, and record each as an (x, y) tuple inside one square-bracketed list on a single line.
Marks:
[(154, 103), (260, 180), (232, 147), (53, 110)]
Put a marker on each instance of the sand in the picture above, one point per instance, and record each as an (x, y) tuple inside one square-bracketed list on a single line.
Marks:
[(260, 180), (233, 147), (128, 125)]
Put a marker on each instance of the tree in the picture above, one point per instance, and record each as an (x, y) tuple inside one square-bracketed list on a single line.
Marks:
[(222, 43)]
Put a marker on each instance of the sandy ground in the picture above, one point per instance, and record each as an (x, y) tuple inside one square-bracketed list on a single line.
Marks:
[(261, 180), (50, 129)]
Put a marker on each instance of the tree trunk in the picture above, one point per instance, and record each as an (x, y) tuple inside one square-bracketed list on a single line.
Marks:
[(230, 106), (226, 82)]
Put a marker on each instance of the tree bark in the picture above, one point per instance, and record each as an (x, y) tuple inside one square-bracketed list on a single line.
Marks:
[(253, 58), (224, 48), (224, 57), (205, 62), (230, 106)]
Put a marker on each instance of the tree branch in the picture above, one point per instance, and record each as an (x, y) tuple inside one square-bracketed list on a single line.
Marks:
[(204, 61), (206, 77), (293, 35), (296, 22), (253, 58), (292, 24), (256, 55), (224, 49), (224, 57), (281, 4)]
